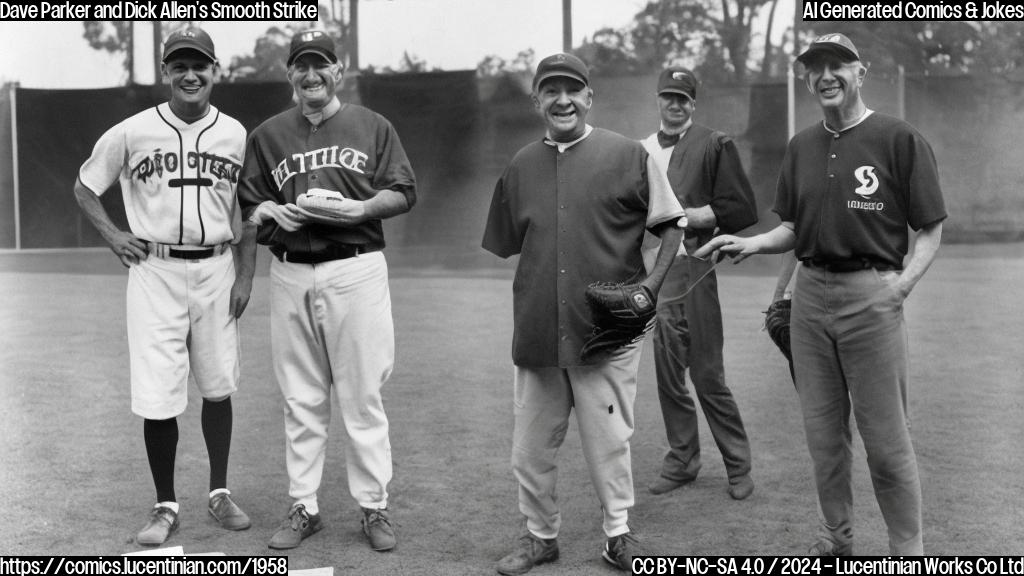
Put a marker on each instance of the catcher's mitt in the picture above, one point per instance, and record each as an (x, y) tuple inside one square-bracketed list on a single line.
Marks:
[(621, 314), (322, 202), (776, 322)]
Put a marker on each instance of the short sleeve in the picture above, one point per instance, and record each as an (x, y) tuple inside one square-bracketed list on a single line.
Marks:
[(925, 204), (785, 196), (107, 161), (732, 198), (394, 172), (501, 236), (662, 206)]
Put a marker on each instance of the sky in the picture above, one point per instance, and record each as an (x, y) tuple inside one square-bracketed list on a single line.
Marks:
[(446, 34)]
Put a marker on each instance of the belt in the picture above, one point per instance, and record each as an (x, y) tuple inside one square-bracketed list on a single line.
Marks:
[(332, 252), (187, 252), (849, 264)]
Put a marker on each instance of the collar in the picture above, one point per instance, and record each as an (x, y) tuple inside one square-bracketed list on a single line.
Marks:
[(320, 116), (563, 146), (168, 113), (863, 117)]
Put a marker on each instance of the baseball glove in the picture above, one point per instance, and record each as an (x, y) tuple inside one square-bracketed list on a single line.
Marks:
[(621, 314), (776, 322), (321, 202)]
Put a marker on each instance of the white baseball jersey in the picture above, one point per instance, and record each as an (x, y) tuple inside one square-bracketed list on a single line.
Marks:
[(178, 179)]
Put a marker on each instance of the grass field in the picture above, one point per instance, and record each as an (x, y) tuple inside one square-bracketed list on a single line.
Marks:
[(74, 478)]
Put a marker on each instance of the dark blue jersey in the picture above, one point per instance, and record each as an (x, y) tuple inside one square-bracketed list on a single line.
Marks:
[(852, 194)]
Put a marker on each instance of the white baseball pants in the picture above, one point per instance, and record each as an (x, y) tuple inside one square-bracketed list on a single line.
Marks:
[(179, 322), (331, 330), (603, 396)]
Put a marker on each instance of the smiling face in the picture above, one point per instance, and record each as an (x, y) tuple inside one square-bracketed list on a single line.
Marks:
[(835, 83), (676, 110), (315, 81), (563, 103), (191, 76)]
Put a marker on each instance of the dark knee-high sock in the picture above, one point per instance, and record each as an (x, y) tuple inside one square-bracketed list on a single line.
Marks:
[(161, 447), (216, 419)]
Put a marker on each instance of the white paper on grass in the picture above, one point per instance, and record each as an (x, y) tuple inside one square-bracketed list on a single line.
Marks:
[(325, 571), (170, 551)]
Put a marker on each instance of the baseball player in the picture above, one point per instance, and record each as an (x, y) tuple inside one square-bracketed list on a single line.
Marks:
[(330, 305), (178, 165), (848, 189), (704, 168), (574, 206)]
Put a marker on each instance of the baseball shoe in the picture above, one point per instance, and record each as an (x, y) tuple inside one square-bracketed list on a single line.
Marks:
[(619, 551), (378, 529), (826, 547), (162, 523), (530, 552), (741, 487), (227, 513), (664, 485), (298, 526)]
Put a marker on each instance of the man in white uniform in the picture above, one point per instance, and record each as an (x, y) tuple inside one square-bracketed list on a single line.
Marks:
[(178, 165)]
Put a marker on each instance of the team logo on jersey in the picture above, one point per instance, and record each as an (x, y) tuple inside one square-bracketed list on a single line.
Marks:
[(868, 186), (329, 157), (868, 181)]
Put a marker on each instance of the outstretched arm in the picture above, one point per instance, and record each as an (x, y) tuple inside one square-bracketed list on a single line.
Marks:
[(129, 249), (779, 239)]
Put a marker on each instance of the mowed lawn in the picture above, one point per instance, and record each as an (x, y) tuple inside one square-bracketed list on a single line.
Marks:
[(75, 481)]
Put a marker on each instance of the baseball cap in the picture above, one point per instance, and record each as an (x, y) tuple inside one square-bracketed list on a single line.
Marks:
[(561, 64), (190, 38), (312, 42), (834, 43), (678, 80)]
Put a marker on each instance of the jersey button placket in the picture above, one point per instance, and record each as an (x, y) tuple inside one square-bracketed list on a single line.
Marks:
[(831, 157), (563, 284)]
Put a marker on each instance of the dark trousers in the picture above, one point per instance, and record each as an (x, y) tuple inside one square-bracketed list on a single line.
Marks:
[(688, 335), (850, 351)]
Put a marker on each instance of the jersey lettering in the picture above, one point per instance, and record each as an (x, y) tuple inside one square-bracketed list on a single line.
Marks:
[(858, 205), (869, 182), (155, 163), (327, 157), (208, 163)]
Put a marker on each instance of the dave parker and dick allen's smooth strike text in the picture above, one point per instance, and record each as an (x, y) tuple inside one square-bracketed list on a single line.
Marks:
[(156, 10)]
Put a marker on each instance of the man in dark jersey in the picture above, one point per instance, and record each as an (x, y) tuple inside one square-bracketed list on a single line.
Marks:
[(574, 207), (704, 168), (330, 305), (848, 190)]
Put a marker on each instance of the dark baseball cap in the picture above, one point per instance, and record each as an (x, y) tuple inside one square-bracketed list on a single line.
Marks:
[(191, 38), (312, 42), (562, 64), (835, 43), (678, 80)]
